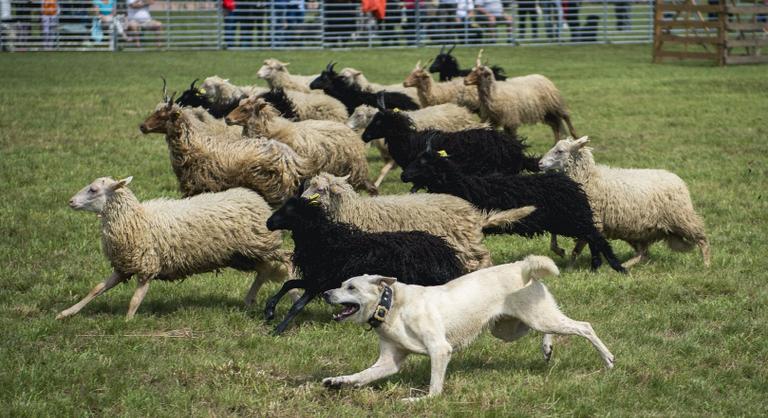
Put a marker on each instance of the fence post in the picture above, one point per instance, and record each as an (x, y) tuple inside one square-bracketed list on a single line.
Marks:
[(272, 25), (168, 26), (417, 9), (219, 20)]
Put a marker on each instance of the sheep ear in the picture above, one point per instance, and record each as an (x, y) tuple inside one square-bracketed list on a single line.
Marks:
[(479, 58), (418, 65), (442, 49), (581, 142), (122, 183)]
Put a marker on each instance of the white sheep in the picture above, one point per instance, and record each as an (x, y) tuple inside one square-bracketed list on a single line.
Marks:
[(330, 146), (308, 106), (355, 77), (520, 100), (164, 239), (276, 74), (433, 93), (459, 222), (203, 163), (445, 117), (639, 206)]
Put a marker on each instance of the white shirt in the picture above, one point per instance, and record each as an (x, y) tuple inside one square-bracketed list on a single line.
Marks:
[(5, 9), (141, 14), (463, 7)]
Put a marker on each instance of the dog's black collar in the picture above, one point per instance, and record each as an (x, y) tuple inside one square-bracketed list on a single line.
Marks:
[(382, 309)]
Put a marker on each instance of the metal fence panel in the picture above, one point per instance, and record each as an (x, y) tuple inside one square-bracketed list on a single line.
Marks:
[(275, 24)]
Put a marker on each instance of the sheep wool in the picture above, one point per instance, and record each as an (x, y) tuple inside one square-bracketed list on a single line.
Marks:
[(520, 100), (276, 74), (432, 93), (330, 146), (442, 215), (202, 164), (306, 106), (355, 77), (165, 239), (639, 206)]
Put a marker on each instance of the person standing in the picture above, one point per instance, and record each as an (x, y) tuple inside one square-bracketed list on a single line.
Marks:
[(140, 19), (49, 20), (526, 10)]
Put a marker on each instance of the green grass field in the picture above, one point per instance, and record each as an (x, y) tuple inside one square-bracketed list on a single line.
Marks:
[(689, 341)]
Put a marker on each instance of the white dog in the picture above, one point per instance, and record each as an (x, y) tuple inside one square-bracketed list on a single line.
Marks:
[(439, 319)]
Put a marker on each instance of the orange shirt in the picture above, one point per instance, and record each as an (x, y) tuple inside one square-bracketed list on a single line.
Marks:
[(49, 8)]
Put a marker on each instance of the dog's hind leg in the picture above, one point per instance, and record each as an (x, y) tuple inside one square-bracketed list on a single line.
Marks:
[(390, 361), (535, 306)]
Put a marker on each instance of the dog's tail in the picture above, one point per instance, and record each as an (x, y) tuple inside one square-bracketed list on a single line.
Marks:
[(503, 219), (537, 267)]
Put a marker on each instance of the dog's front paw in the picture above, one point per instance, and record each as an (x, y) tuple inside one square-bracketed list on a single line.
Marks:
[(336, 382)]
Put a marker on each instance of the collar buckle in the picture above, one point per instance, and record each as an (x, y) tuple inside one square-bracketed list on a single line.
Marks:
[(380, 313)]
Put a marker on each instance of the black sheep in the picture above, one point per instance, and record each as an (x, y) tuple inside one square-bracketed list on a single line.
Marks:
[(353, 96), (448, 67), (561, 205), (280, 101), (192, 97), (327, 253), (477, 151)]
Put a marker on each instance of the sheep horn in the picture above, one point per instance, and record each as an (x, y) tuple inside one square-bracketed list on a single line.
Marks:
[(418, 64), (330, 65), (192, 86), (380, 101), (170, 100), (479, 57), (442, 49), (165, 88), (451, 50)]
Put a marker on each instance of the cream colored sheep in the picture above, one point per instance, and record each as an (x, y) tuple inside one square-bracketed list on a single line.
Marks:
[(205, 164), (354, 77), (277, 76), (221, 92), (520, 100), (445, 117), (330, 146), (455, 219), (432, 93), (639, 206), (309, 106), (166, 239), (200, 123)]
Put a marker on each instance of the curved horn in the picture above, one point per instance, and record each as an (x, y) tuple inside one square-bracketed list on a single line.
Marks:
[(165, 88), (418, 64), (451, 50), (192, 86), (442, 49), (170, 100), (380, 101), (479, 57)]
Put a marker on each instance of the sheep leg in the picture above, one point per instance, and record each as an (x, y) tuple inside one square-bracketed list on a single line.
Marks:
[(553, 121), (384, 171), (567, 118), (371, 188), (138, 296), (554, 247), (266, 272), (641, 254), (100, 288), (577, 249), (704, 247), (295, 309), (269, 309)]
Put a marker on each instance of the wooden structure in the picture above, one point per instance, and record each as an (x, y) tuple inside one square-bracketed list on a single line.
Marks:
[(726, 32)]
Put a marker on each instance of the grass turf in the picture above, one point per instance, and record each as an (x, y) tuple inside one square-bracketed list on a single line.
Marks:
[(689, 341)]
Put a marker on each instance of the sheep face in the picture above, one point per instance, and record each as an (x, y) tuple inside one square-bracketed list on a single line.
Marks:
[(361, 117), (444, 61), (416, 77), (270, 68), (350, 76), (193, 97), (325, 79), (429, 166), (295, 213), (386, 123), (558, 157), (92, 197), (480, 74), (325, 187), (241, 114), (212, 87), (158, 120)]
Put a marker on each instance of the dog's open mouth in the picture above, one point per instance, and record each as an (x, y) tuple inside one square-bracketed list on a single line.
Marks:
[(349, 310)]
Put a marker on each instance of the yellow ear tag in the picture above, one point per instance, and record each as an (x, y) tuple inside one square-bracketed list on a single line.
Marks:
[(396, 110), (177, 113), (201, 90), (314, 197), (442, 153), (314, 203)]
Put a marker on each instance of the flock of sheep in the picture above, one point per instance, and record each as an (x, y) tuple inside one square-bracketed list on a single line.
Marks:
[(252, 161)]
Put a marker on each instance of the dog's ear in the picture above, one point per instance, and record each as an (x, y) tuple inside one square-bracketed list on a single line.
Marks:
[(389, 281)]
